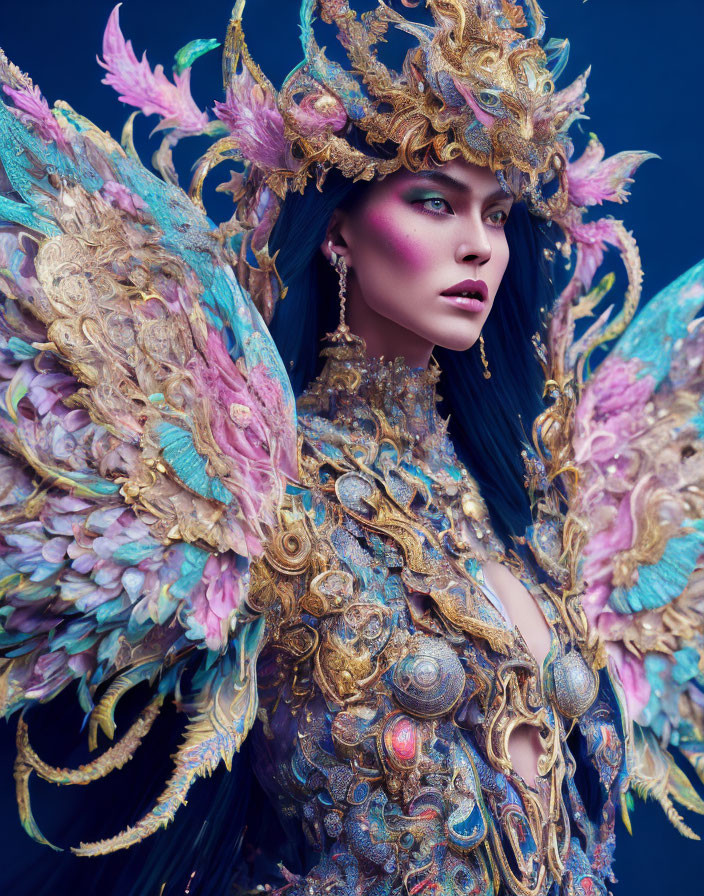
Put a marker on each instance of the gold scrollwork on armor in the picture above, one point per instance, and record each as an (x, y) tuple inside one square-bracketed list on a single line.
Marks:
[(354, 652), (290, 548), (328, 592), (299, 641)]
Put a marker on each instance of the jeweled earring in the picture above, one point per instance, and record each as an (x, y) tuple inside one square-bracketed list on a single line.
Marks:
[(482, 355), (334, 257), (342, 333)]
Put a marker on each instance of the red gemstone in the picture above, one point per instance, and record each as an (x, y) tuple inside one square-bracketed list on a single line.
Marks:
[(403, 739)]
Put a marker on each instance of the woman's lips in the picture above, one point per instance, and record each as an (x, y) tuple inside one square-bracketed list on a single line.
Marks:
[(467, 303), (469, 295)]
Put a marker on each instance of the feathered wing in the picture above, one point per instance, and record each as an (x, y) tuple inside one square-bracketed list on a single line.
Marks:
[(146, 428), (639, 452), (628, 444)]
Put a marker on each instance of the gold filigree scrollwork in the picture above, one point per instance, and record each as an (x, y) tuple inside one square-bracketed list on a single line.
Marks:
[(289, 550)]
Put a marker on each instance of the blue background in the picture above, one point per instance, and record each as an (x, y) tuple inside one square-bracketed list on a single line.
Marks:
[(645, 94)]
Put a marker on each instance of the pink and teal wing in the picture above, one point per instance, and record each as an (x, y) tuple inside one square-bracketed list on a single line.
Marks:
[(639, 452), (618, 486), (147, 428)]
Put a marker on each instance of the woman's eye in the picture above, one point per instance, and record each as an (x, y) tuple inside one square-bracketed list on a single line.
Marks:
[(497, 218), (436, 204)]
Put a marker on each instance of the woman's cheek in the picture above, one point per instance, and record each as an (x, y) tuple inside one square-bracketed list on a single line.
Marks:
[(402, 241), (500, 259)]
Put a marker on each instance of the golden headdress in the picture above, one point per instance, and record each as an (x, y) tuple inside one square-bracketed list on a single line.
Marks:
[(478, 82)]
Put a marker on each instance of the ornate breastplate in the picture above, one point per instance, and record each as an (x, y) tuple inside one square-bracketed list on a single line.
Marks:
[(391, 684)]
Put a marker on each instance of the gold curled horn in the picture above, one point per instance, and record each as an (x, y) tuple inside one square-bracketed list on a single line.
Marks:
[(236, 48), (115, 757), (234, 41)]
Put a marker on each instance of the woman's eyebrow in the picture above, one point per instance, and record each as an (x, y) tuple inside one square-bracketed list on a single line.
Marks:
[(442, 178), (455, 184), (498, 195)]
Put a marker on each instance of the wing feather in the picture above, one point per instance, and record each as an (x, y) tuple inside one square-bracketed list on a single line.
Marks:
[(632, 436), (146, 430)]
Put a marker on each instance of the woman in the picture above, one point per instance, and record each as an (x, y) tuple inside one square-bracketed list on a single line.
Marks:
[(434, 708)]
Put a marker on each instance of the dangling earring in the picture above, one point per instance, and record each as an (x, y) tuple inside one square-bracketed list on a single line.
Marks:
[(482, 354), (342, 333)]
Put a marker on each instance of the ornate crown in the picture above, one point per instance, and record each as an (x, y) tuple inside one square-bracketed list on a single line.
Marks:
[(477, 83)]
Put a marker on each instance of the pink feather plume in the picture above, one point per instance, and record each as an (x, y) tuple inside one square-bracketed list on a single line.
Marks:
[(150, 91), (594, 180), (568, 102), (592, 238), (33, 109), (254, 121)]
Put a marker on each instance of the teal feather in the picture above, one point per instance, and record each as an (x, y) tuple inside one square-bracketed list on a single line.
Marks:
[(132, 554), (194, 49), (660, 583), (686, 665), (109, 646), (192, 566), (75, 637), (137, 629), (43, 570), (113, 608), (85, 698), (179, 453), (653, 336), (307, 17), (8, 639), (669, 678), (87, 484), (20, 349), (19, 213), (22, 155)]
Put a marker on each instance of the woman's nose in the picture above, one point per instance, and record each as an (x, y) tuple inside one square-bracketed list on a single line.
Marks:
[(473, 244)]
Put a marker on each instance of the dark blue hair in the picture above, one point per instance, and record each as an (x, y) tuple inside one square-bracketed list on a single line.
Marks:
[(490, 420)]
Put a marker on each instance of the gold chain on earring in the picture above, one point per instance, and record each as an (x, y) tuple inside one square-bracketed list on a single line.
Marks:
[(342, 333), (341, 268), (482, 354)]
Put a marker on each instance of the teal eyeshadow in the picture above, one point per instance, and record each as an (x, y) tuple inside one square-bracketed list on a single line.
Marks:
[(414, 195)]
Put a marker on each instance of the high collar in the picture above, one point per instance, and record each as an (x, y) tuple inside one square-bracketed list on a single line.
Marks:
[(350, 384)]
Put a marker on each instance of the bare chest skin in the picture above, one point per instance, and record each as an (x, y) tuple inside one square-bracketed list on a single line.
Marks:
[(524, 745), (521, 608)]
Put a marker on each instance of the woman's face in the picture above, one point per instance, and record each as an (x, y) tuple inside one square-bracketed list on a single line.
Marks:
[(426, 253)]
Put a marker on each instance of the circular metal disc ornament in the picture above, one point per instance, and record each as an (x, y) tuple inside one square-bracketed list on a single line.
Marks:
[(575, 686), (429, 681)]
